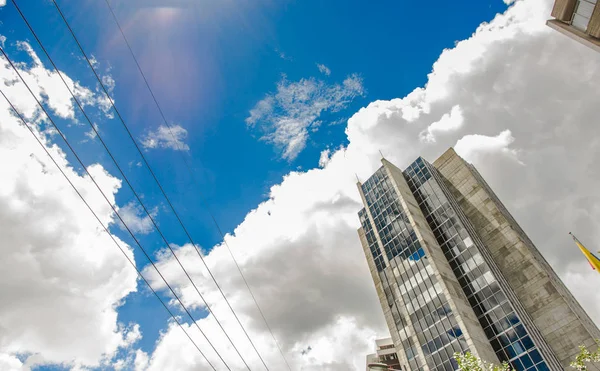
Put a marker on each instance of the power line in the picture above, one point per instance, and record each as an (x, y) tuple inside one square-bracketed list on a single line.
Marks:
[(157, 181), (104, 226), (130, 186), (108, 201), (204, 202)]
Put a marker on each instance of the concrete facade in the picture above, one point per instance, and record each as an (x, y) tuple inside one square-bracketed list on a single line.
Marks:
[(447, 257), (558, 317)]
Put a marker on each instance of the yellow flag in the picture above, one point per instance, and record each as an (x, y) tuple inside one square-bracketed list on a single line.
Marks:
[(593, 259)]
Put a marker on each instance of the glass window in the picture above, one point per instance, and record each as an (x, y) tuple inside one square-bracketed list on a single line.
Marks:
[(527, 343), (535, 356), (542, 367), (517, 365), (520, 330), (511, 351), (519, 348), (526, 361), (501, 355), (437, 358), (582, 14), (504, 340), (512, 318)]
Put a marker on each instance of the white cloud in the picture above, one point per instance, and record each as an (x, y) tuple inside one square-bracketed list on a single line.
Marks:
[(324, 158), (324, 69), (61, 276), (8, 362), (136, 218), (450, 121), (299, 249), (2, 2), (132, 335), (47, 83), (141, 360), (286, 116), (172, 137), (470, 147)]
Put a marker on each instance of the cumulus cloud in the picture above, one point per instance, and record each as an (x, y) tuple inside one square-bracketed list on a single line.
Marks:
[(324, 69), (61, 274), (172, 137), (450, 121), (470, 147), (47, 83), (286, 116), (299, 249)]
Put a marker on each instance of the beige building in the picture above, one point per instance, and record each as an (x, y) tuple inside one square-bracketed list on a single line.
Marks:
[(454, 272), (579, 20), (385, 353)]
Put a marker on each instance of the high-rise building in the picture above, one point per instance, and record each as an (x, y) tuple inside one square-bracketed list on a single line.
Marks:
[(384, 354), (454, 272), (579, 20)]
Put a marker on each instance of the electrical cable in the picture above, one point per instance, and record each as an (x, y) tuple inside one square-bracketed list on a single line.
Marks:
[(108, 201), (156, 180), (204, 202), (97, 134), (104, 226), (151, 218)]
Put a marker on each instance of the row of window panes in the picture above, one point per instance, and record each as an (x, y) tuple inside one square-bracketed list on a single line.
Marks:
[(480, 287), (374, 179), (400, 234), (413, 296), (494, 298), (397, 227), (382, 202), (441, 310), (389, 298), (429, 316), (439, 343), (417, 282), (530, 361), (444, 357), (418, 164), (413, 251), (432, 319), (426, 319), (491, 291), (426, 299), (439, 328), (373, 191), (416, 279), (380, 206), (381, 265), (414, 362), (386, 218)]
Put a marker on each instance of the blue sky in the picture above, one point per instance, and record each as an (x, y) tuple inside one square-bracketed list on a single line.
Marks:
[(209, 65)]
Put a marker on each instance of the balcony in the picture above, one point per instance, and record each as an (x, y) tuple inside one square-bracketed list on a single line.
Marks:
[(579, 20)]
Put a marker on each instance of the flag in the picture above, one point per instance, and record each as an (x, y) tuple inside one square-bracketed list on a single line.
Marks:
[(592, 259)]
